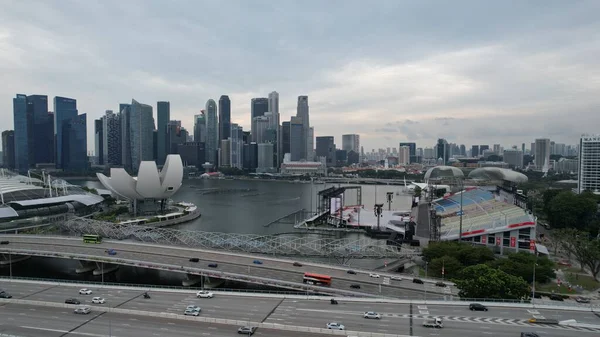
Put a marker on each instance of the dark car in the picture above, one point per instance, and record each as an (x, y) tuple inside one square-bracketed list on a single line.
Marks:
[(477, 307), (580, 299), (4, 242), (351, 272), (213, 265), (247, 330), (111, 252), (257, 262), (355, 286), (529, 334), (194, 259), (72, 301), (555, 297), (297, 264), (5, 295), (418, 281), (440, 284)]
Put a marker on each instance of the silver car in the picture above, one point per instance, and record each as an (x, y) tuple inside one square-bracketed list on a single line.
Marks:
[(82, 310), (372, 314)]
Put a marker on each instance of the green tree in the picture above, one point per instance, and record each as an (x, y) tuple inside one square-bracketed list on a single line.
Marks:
[(483, 281), (521, 264), (451, 266), (418, 191), (582, 246), (465, 253), (568, 210)]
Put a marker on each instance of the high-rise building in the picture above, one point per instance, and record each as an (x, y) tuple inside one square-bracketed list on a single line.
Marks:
[(225, 153), (261, 125), (513, 157), (532, 151), (42, 136), (523, 148), (482, 149), (428, 153), (542, 154), (297, 142), (224, 117), (176, 134), (163, 114), (285, 137), (212, 132), (311, 144), (99, 141), (258, 107), (137, 123), (326, 148), (64, 109), (474, 151), (589, 163), (351, 142), (74, 144), (404, 155), (192, 153), (111, 126), (200, 127), (497, 149), (265, 158), (442, 151), (302, 112), (237, 146), (412, 156), (23, 131), (8, 149), (463, 150)]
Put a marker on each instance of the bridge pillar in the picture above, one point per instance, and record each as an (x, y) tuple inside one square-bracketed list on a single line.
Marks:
[(105, 268), (8, 259), (85, 267), (205, 281)]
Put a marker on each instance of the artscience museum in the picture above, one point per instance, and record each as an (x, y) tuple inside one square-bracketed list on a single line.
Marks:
[(149, 192)]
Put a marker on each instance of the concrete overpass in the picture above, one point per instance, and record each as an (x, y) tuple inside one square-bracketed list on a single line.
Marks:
[(233, 266)]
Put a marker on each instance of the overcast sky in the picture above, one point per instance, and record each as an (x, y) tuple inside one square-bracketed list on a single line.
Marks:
[(473, 72)]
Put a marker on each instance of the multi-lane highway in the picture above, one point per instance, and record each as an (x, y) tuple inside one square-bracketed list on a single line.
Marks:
[(271, 268), (396, 318)]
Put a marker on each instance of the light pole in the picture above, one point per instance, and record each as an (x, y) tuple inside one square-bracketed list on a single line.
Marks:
[(377, 211), (533, 283), (461, 211), (390, 196), (10, 264)]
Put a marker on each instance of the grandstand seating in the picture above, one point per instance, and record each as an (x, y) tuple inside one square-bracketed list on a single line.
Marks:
[(480, 211)]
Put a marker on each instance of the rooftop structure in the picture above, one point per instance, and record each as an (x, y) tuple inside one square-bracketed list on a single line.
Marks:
[(499, 174)]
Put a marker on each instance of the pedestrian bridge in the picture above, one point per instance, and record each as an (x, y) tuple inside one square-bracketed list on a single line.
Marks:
[(289, 244), (270, 271)]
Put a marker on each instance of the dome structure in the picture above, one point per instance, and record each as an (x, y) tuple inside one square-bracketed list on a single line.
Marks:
[(497, 173), (439, 172), (150, 183)]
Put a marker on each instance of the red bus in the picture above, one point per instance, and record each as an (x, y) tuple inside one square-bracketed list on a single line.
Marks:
[(318, 279)]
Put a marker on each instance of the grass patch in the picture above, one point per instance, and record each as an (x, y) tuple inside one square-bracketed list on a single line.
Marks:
[(585, 281)]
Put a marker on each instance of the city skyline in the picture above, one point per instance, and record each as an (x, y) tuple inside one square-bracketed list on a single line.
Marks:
[(509, 80)]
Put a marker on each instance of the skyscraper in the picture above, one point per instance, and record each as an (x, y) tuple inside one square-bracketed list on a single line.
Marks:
[(258, 107), (224, 117), (326, 148), (237, 145), (163, 114), (275, 125), (8, 149), (212, 132), (542, 154), (404, 155), (412, 149), (513, 157), (111, 126), (261, 125), (285, 138), (74, 144), (200, 127), (125, 121), (311, 144), (351, 142), (139, 140), (442, 152), (23, 131), (589, 162), (302, 112), (99, 141), (297, 141), (64, 109), (265, 158)]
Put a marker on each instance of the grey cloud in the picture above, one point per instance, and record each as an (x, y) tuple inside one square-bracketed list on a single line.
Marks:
[(475, 66)]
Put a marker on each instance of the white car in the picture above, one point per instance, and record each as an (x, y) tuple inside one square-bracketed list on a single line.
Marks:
[(192, 310), (374, 275), (204, 294), (335, 326), (98, 300), (396, 278), (193, 307), (82, 310), (85, 291), (372, 314)]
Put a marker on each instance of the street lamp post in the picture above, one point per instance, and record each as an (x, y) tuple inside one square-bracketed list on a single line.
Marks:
[(533, 283), (461, 211), (10, 264)]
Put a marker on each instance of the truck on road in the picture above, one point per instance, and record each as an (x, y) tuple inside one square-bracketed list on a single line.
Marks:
[(434, 322)]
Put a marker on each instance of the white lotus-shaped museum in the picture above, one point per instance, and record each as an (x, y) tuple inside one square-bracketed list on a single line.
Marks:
[(150, 183)]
